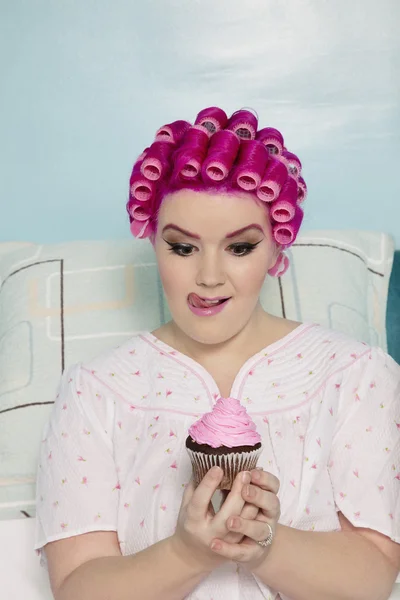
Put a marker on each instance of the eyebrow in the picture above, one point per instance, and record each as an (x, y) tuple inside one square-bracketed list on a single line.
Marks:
[(228, 235), (243, 229)]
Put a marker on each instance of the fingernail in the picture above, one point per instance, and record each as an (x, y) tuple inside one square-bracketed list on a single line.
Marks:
[(234, 523), (256, 475), (215, 472), (215, 546), (250, 491), (246, 477)]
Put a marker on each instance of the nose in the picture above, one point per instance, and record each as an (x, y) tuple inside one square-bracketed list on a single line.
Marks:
[(210, 272)]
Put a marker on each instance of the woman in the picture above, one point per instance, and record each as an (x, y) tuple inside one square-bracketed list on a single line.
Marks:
[(116, 516)]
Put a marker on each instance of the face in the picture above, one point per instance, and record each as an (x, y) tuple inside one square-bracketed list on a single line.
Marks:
[(208, 247)]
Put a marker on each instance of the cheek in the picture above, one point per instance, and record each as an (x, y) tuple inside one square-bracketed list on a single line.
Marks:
[(171, 283), (254, 281), (251, 276), (166, 273)]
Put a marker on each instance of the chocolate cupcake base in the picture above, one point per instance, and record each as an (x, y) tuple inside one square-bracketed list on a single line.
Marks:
[(231, 460)]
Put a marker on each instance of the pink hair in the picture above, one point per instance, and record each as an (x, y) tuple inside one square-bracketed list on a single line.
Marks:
[(218, 154)]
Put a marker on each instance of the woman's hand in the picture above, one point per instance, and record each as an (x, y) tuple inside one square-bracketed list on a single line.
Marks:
[(249, 512), (262, 494), (197, 523)]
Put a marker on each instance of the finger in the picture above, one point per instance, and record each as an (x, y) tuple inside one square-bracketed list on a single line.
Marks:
[(250, 512), (188, 493), (234, 502), (256, 530), (243, 552), (265, 480), (233, 538), (268, 502), (201, 498)]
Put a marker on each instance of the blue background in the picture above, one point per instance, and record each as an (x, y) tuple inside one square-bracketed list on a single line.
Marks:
[(84, 86)]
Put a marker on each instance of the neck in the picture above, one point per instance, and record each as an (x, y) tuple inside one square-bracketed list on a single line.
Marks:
[(259, 331)]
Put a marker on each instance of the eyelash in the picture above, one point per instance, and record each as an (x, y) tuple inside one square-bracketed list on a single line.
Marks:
[(177, 248)]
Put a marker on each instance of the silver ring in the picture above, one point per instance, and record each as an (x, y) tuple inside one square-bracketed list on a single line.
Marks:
[(268, 540)]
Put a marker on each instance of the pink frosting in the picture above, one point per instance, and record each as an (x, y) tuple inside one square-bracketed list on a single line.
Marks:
[(227, 425)]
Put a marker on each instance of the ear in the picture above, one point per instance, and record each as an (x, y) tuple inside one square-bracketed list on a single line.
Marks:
[(274, 256), (281, 264), (277, 251)]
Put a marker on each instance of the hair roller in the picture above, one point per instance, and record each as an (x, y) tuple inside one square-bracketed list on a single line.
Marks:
[(173, 132), (140, 220), (244, 124), (140, 158), (141, 189), (141, 229), (292, 163), (222, 152), (190, 156), (272, 140), (251, 163), (301, 191), (138, 212), (280, 267), (286, 233), (272, 181), (211, 120), (138, 163), (215, 155), (156, 162), (283, 209)]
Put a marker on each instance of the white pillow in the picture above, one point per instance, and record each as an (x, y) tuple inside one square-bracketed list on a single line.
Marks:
[(337, 279), (63, 303), (21, 576)]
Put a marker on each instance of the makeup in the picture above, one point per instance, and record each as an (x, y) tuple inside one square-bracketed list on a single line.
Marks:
[(206, 307)]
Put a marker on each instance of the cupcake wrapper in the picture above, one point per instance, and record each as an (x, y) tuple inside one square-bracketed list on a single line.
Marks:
[(231, 464)]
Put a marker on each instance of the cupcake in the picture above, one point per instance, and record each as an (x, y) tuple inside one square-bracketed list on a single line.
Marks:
[(225, 437)]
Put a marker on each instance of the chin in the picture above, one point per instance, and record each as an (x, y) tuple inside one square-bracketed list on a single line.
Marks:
[(209, 333), (211, 338), (211, 330)]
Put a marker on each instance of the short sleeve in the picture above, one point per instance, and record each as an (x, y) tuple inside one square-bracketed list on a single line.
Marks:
[(365, 455), (77, 487)]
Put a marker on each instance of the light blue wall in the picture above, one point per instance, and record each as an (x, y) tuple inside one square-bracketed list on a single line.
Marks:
[(85, 84)]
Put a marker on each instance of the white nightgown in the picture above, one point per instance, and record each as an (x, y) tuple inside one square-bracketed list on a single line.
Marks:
[(113, 454)]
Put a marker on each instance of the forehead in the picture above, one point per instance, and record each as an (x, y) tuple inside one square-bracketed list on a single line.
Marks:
[(206, 213)]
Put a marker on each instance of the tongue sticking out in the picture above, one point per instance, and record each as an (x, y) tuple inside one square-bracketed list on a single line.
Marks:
[(197, 302)]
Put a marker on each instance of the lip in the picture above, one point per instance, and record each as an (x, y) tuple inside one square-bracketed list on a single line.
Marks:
[(211, 310), (214, 299)]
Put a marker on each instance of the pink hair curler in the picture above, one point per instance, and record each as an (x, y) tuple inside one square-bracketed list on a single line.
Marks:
[(272, 181), (244, 123), (272, 140), (280, 267), (222, 152), (251, 163), (284, 209), (286, 233)]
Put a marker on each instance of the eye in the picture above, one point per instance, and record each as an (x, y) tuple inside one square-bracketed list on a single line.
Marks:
[(181, 249), (242, 248)]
